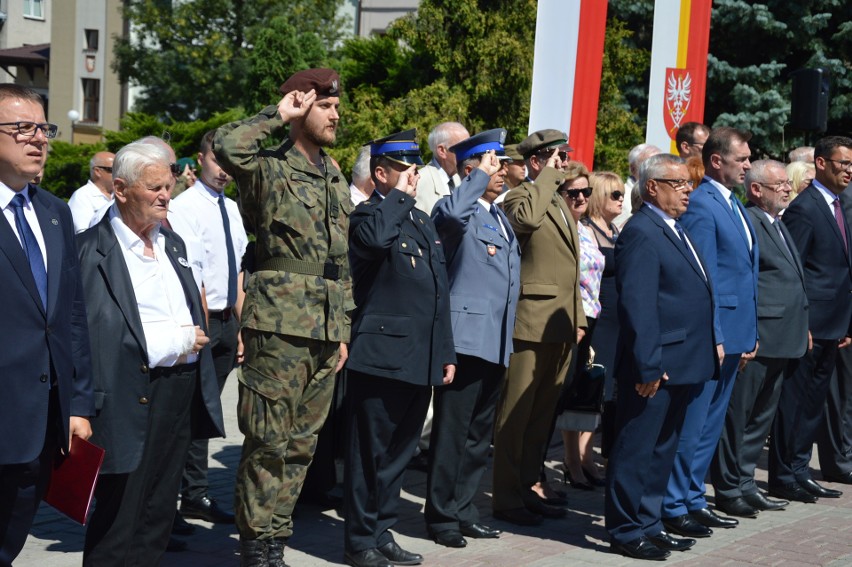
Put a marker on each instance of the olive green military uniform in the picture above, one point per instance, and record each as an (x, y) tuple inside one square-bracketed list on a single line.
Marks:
[(295, 316)]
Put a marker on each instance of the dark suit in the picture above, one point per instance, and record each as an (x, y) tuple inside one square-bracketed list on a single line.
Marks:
[(145, 416), (46, 372), (665, 310), (401, 340), (717, 230), (483, 267), (782, 321), (828, 281)]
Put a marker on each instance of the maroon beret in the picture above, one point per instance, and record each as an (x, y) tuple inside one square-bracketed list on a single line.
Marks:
[(326, 82)]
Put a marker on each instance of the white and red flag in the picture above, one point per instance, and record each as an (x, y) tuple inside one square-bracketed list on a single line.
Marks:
[(678, 69)]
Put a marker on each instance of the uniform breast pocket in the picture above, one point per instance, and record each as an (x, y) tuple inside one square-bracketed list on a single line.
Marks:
[(299, 209), (409, 259), (489, 245)]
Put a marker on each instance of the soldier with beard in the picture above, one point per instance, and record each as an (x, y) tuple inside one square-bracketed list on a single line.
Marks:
[(295, 320)]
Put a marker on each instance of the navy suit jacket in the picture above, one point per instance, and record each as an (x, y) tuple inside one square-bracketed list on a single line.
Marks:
[(35, 341), (782, 305), (401, 328), (665, 307), (717, 233), (828, 271), (484, 269), (120, 354)]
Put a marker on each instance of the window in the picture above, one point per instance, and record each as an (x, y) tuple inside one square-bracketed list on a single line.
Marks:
[(34, 9), (91, 100), (91, 39)]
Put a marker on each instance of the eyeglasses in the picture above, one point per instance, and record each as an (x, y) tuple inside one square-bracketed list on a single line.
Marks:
[(779, 186), (676, 184), (845, 164), (29, 129), (105, 168), (616, 195), (574, 193), (175, 167), (699, 146)]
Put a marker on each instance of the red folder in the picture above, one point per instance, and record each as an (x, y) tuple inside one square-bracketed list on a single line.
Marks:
[(72, 484)]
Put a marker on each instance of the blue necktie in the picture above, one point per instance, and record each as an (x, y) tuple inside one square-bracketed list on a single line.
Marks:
[(496, 215), (30, 246), (232, 257)]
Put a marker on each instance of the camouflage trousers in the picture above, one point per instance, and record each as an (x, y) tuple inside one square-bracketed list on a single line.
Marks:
[(285, 391)]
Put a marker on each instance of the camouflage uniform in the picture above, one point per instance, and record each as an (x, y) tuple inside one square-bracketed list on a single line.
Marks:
[(296, 314)]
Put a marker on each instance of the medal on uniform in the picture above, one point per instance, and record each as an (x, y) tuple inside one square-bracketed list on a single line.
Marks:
[(491, 249), (413, 262)]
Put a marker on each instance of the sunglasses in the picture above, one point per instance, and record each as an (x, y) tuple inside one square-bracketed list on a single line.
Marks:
[(616, 195), (104, 167), (544, 156), (574, 193)]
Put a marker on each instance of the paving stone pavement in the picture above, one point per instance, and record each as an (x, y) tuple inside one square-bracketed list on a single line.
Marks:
[(804, 534)]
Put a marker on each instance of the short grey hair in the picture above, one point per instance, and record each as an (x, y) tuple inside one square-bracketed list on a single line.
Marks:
[(802, 153), (655, 166), (134, 158), (92, 167), (361, 169), (441, 134), (758, 170), (637, 152)]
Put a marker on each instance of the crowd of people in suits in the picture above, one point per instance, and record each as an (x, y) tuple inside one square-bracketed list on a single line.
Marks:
[(465, 302)]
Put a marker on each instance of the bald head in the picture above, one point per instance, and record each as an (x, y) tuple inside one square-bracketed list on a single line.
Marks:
[(100, 171)]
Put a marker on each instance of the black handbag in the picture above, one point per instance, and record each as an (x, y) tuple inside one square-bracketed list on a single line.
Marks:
[(587, 390)]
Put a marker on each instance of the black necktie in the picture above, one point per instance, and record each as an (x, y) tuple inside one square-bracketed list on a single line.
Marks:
[(689, 254), (777, 224), (232, 257), (500, 227), (838, 217), (31, 248)]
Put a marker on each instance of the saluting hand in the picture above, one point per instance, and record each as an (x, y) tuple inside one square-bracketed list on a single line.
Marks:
[(407, 182), (489, 163), (295, 104), (553, 160)]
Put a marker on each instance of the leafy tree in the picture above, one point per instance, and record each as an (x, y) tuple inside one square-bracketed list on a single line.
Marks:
[(191, 57), (67, 167)]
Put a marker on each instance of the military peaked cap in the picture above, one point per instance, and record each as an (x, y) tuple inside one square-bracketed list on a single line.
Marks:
[(541, 140), (480, 143), (399, 147)]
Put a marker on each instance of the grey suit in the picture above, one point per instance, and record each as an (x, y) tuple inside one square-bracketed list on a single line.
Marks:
[(782, 322)]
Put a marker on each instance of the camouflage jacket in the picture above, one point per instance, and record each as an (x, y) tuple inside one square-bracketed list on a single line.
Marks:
[(296, 213)]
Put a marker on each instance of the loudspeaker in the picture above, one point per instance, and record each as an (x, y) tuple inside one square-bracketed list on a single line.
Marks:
[(809, 100)]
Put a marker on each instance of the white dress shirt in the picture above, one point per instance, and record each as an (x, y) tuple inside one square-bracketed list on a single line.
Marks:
[(88, 205), (163, 308), (6, 196), (187, 228), (202, 204), (670, 222)]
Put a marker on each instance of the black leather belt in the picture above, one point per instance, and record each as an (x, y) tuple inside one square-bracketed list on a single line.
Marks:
[(223, 315), (166, 371)]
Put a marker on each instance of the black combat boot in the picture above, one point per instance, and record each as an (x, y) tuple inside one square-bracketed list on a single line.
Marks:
[(275, 552), (253, 553)]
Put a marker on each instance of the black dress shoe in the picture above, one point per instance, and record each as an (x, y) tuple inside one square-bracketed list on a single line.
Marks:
[(761, 502), (640, 548), (811, 486), (841, 478), (398, 556), (181, 526), (518, 516), (176, 545), (736, 507), (666, 541), (792, 492), (594, 480), (537, 506), (367, 558), (479, 531), (449, 538), (578, 484), (707, 518), (207, 509), (686, 526)]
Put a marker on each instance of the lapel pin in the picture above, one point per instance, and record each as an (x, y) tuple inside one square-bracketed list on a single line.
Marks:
[(54, 222), (182, 261)]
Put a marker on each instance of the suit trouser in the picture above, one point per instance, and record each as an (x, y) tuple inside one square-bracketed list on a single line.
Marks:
[(385, 417), (754, 402), (134, 511), (800, 414), (22, 486), (702, 427), (524, 413), (835, 437), (461, 437), (223, 345), (285, 391), (641, 457)]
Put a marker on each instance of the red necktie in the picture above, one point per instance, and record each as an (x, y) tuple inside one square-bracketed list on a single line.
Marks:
[(838, 216)]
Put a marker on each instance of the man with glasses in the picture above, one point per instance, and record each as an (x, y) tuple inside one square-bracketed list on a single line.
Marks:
[(782, 323), (724, 237), (821, 233), (47, 377), (90, 201), (690, 139)]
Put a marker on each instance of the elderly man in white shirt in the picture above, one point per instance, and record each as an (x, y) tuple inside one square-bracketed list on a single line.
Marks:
[(220, 228), (89, 202)]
